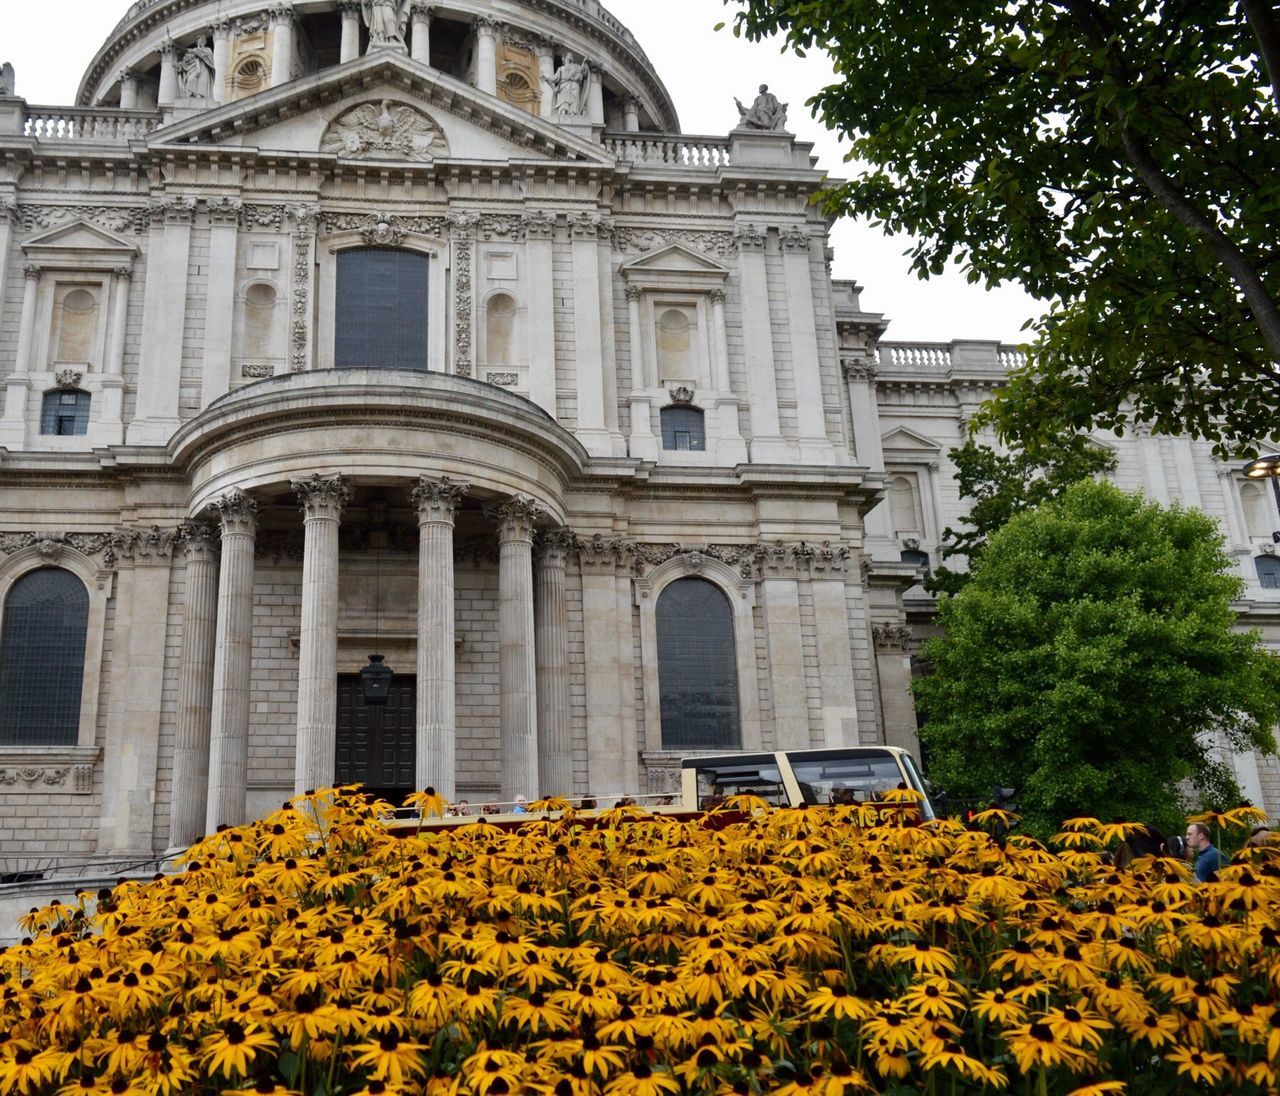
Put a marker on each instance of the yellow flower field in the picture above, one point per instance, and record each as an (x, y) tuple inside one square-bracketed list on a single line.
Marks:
[(790, 951)]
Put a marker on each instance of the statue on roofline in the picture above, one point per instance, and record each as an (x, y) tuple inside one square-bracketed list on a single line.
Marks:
[(766, 113), (387, 20)]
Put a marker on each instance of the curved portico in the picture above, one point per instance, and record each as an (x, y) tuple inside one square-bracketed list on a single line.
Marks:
[(425, 439)]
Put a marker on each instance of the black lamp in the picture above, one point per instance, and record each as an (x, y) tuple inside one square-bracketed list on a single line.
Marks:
[(1266, 466), (375, 679)]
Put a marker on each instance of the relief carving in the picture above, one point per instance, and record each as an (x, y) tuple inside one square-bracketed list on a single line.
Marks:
[(388, 130)]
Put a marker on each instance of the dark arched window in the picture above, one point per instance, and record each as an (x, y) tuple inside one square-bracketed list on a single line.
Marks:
[(46, 618), (1268, 572), (697, 668), (65, 411), (917, 558), (684, 428), (381, 312)]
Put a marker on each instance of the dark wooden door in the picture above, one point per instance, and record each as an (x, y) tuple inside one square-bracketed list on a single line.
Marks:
[(376, 746)]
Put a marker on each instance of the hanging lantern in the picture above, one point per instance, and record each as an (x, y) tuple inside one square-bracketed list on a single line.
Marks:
[(375, 682)]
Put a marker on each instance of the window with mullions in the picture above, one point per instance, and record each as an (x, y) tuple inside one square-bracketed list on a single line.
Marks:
[(1268, 572), (46, 619), (381, 311), (684, 429), (65, 412), (697, 668)]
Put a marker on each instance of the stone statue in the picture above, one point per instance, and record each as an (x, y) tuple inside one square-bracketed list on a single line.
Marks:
[(386, 130), (7, 84), (387, 21), (765, 113), (195, 71), (571, 83)]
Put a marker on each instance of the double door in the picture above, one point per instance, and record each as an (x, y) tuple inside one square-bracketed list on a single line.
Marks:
[(377, 745)]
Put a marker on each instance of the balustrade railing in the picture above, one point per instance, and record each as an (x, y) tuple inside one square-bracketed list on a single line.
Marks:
[(940, 357), (104, 124), (657, 150)]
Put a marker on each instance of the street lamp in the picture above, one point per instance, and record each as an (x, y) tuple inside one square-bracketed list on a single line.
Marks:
[(1266, 466)]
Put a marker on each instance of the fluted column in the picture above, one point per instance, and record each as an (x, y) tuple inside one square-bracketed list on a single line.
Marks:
[(323, 499), (555, 733), (168, 90), (195, 685), (282, 44), (420, 32), (349, 48), (232, 663), (487, 55), (436, 767), (515, 520)]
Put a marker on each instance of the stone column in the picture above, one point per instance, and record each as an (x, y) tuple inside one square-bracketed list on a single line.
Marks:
[(860, 376), (168, 92), (323, 499), (540, 231), (643, 443), (420, 32), (731, 448), (221, 59), (13, 429), (515, 519), (232, 663), (767, 445), (282, 44), (595, 94), (588, 338), (893, 674), (1237, 534), (631, 115), (806, 364), (349, 49), (437, 502), (195, 686), (555, 732), (128, 90), (834, 643), (487, 55), (544, 50)]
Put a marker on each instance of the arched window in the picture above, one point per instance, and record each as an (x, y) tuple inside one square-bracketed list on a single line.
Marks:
[(65, 411), (917, 558), (382, 309), (697, 668), (1268, 572), (46, 617), (684, 429)]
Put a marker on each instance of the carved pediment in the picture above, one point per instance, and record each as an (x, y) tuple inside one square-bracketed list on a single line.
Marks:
[(900, 440), (79, 237), (677, 259), (385, 130)]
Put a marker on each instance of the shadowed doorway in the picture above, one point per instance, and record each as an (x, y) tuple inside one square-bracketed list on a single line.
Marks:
[(376, 745)]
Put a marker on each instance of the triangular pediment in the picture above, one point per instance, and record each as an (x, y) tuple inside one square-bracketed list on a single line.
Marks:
[(901, 439), (675, 258), (79, 236), (412, 112)]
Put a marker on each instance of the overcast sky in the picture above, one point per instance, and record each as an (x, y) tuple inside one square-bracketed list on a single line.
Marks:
[(52, 42)]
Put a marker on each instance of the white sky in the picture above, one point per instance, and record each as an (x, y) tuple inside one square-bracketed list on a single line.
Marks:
[(52, 42)]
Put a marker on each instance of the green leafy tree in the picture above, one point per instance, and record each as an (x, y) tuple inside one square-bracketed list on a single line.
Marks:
[(1117, 159), (1004, 484), (1089, 659)]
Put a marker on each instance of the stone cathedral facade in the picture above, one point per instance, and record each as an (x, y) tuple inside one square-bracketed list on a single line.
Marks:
[(334, 329)]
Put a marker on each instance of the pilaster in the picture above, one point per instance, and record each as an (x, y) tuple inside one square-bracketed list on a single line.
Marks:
[(221, 59), (224, 233), (815, 446), (588, 337), (539, 232), (168, 91), (301, 308), (13, 428), (767, 445)]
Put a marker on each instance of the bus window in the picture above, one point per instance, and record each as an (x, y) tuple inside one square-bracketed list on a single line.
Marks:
[(846, 779), (718, 782)]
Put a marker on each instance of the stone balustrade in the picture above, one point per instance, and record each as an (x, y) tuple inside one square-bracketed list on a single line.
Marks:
[(930, 357), (654, 149), (90, 124)]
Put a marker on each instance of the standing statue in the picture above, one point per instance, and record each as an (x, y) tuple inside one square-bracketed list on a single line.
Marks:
[(571, 83), (195, 71), (7, 84), (765, 113), (387, 20)]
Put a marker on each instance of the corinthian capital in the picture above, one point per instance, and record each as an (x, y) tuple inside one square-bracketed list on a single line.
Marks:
[(237, 512), (322, 496), (515, 518), (437, 500), (199, 540)]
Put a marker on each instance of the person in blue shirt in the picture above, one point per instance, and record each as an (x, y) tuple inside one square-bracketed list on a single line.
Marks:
[(1208, 859)]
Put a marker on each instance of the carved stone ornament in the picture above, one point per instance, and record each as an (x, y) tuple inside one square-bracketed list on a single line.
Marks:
[(385, 131), (694, 562), (322, 496), (77, 779), (257, 371), (766, 113), (859, 367), (749, 237), (50, 546), (911, 544), (515, 518), (69, 378), (437, 499), (554, 545), (237, 511), (682, 394), (892, 637), (1267, 549), (198, 539), (503, 380)]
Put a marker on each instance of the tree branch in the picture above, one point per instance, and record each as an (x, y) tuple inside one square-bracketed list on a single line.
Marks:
[(1266, 28)]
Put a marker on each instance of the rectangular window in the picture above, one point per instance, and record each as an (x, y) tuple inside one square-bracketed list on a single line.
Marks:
[(381, 313)]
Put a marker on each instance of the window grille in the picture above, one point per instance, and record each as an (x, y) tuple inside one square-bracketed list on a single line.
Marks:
[(697, 668), (46, 619), (65, 412), (684, 429), (1268, 572), (382, 309)]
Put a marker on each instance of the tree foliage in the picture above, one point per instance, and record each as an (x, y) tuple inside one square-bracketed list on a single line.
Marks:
[(1001, 484), (1118, 160), (1090, 661)]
